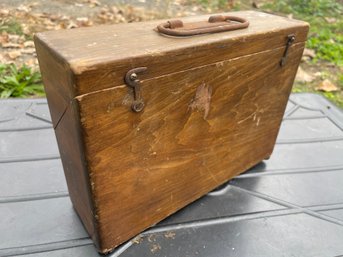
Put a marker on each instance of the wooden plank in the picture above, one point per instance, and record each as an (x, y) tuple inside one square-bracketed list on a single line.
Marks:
[(75, 169)]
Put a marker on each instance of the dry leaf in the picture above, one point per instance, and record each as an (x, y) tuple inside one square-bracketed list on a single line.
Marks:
[(54, 17), (4, 12), (93, 3), (30, 62), (24, 8), (4, 37), (330, 19), (84, 22), (327, 86), (13, 54), (72, 25), (309, 52), (11, 45), (13, 38), (29, 43), (303, 76), (28, 51)]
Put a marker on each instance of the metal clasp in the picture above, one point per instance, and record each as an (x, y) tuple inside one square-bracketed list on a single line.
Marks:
[(290, 40), (131, 79)]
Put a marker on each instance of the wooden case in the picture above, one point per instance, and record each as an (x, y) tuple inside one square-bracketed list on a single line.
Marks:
[(213, 107)]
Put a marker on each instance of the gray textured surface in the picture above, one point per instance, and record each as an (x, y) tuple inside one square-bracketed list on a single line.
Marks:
[(290, 205)]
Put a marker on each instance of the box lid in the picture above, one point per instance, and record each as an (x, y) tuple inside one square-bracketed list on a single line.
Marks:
[(100, 56)]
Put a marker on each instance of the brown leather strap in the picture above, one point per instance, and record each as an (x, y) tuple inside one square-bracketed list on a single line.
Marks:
[(217, 23)]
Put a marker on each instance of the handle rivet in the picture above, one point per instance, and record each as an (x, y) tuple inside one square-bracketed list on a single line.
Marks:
[(133, 76)]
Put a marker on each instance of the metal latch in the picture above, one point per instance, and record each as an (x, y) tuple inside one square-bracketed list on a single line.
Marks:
[(131, 79), (290, 40)]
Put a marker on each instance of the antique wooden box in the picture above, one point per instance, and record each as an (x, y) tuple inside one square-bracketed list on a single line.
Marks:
[(151, 116)]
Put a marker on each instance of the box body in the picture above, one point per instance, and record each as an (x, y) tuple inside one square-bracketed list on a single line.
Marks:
[(213, 107)]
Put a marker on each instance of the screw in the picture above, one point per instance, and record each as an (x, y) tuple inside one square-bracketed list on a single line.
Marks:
[(137, 106), (133, 76)]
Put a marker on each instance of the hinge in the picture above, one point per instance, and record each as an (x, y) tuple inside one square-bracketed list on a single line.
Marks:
[(290, 40)]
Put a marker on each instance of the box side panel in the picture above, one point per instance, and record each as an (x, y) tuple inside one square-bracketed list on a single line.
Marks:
[(200, 127), (57, 79)]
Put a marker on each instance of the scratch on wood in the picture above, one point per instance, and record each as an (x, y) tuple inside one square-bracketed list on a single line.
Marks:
[(80, 97), (251, 115), (258, 121), (202, 99)]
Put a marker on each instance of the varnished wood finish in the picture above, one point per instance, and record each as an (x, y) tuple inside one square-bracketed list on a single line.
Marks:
[(100, 56), (214, 104)]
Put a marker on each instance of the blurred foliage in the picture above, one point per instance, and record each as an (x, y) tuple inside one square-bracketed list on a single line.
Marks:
[(326, 25), (20, 82), (212, 4), (11, 26)]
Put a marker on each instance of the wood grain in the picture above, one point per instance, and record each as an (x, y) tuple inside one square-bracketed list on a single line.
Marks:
[(101, 56), (214, 104), (146, 166), (58, 81)]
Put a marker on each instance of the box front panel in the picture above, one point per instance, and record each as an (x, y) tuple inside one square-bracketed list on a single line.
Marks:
[(199, 128)]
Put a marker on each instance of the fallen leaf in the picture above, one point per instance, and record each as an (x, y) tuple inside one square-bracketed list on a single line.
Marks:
[(4, 12), (30, 62), (137, 240), (169, 235), (54, 17), (4, 37), (155, 248), (303, 76), (72, 25), (309, 52), (327, 86), (330, 19), (2, 59), (11, 45), (29, 43), (24, 8), (93, 3), (13, 54), (28, 51), (13, 38), (84, 22)]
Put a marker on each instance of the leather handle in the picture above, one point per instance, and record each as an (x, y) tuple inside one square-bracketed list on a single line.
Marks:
[(216, 23)]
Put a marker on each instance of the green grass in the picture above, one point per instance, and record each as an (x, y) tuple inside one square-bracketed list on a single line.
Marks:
[(326, 25), (19, 82), (325, 37), (11, 27)]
